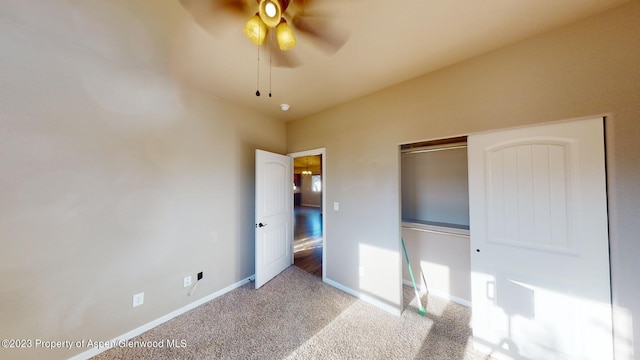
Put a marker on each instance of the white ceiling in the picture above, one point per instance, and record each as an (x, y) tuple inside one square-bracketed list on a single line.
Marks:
[(313, 163), (390, 42)]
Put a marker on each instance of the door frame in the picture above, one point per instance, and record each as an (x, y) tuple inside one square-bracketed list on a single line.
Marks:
[(322, 153)]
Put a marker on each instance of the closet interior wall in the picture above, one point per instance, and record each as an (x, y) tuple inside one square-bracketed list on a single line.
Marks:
[(435, 217)]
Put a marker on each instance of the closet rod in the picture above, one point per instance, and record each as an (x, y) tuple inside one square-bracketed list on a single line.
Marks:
[(435, 231), (416, 151)]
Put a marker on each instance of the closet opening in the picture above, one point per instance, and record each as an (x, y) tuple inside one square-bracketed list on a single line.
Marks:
[(435, 217)]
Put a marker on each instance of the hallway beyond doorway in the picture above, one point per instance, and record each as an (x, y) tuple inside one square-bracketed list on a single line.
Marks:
[(307, 240)]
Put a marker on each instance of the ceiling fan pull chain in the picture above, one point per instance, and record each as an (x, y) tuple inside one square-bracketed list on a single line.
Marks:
[(270, 51), (258, 73)]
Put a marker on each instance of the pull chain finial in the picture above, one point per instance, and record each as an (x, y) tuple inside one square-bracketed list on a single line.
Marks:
[(270, 51), (258, 72)]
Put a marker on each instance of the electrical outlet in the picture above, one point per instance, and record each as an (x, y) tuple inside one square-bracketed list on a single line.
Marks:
[(361, 271), (336, 206), (138, 299), (187, 281), (200, 275)]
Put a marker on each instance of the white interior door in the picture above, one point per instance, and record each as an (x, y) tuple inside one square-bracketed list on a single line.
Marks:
[(274, 215), (539, 242)]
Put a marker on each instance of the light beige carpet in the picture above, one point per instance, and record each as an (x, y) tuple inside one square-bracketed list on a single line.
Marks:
[(297, 316)]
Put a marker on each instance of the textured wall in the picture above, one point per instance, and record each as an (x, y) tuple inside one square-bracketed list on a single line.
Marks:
[(115, 178), (586, 69)]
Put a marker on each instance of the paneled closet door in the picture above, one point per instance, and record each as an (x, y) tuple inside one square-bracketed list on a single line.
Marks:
[(539, 242)]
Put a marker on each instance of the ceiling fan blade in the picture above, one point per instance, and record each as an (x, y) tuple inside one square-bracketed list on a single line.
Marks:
[(240, 7), (279, 58), (212, 14), (303, 3), (321, 31)]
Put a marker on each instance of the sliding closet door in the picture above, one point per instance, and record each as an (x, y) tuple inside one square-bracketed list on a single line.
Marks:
[(539, 242)]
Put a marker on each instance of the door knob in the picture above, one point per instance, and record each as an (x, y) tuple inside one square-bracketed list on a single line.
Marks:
[(261, 225)]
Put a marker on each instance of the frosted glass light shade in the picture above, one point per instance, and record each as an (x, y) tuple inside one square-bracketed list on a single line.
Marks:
[(270, 9), (285, 37), (255, 30), (267, 7)]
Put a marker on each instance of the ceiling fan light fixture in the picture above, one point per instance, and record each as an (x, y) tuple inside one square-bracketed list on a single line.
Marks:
[(255, 30), (270, 12), (270, 9), (284, 34)]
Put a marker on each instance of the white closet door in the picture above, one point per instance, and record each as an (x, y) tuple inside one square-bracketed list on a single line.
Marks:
[(539, 242)]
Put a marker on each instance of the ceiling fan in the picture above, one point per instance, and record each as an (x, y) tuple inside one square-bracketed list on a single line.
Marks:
[(280, 20)]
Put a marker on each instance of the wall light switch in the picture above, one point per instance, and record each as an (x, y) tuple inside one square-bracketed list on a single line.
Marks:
[(336, 206)]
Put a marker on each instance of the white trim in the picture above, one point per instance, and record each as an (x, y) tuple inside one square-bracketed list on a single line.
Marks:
[(440, 294), (323, 155), (150, 325), (366, 298)]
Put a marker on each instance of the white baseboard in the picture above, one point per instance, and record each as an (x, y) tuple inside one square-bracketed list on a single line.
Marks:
[(371, 300), (150, 325), (441, 294)]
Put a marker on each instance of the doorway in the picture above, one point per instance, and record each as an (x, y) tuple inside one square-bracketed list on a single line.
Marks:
[(308, 201)]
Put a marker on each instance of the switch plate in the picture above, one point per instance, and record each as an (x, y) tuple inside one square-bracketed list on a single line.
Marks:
[(361, 271), (187, 281), (336, 206), (138, 299)]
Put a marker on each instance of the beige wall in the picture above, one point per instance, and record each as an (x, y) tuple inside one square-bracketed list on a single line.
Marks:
[(114, 179), (440, 263), (434, 186), (589, 68), (308, 196)]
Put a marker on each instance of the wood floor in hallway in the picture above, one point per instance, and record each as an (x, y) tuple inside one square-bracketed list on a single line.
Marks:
[(308, 239), (309, 261)]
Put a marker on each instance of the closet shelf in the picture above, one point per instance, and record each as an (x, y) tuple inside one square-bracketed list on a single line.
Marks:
[(436, 227)]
